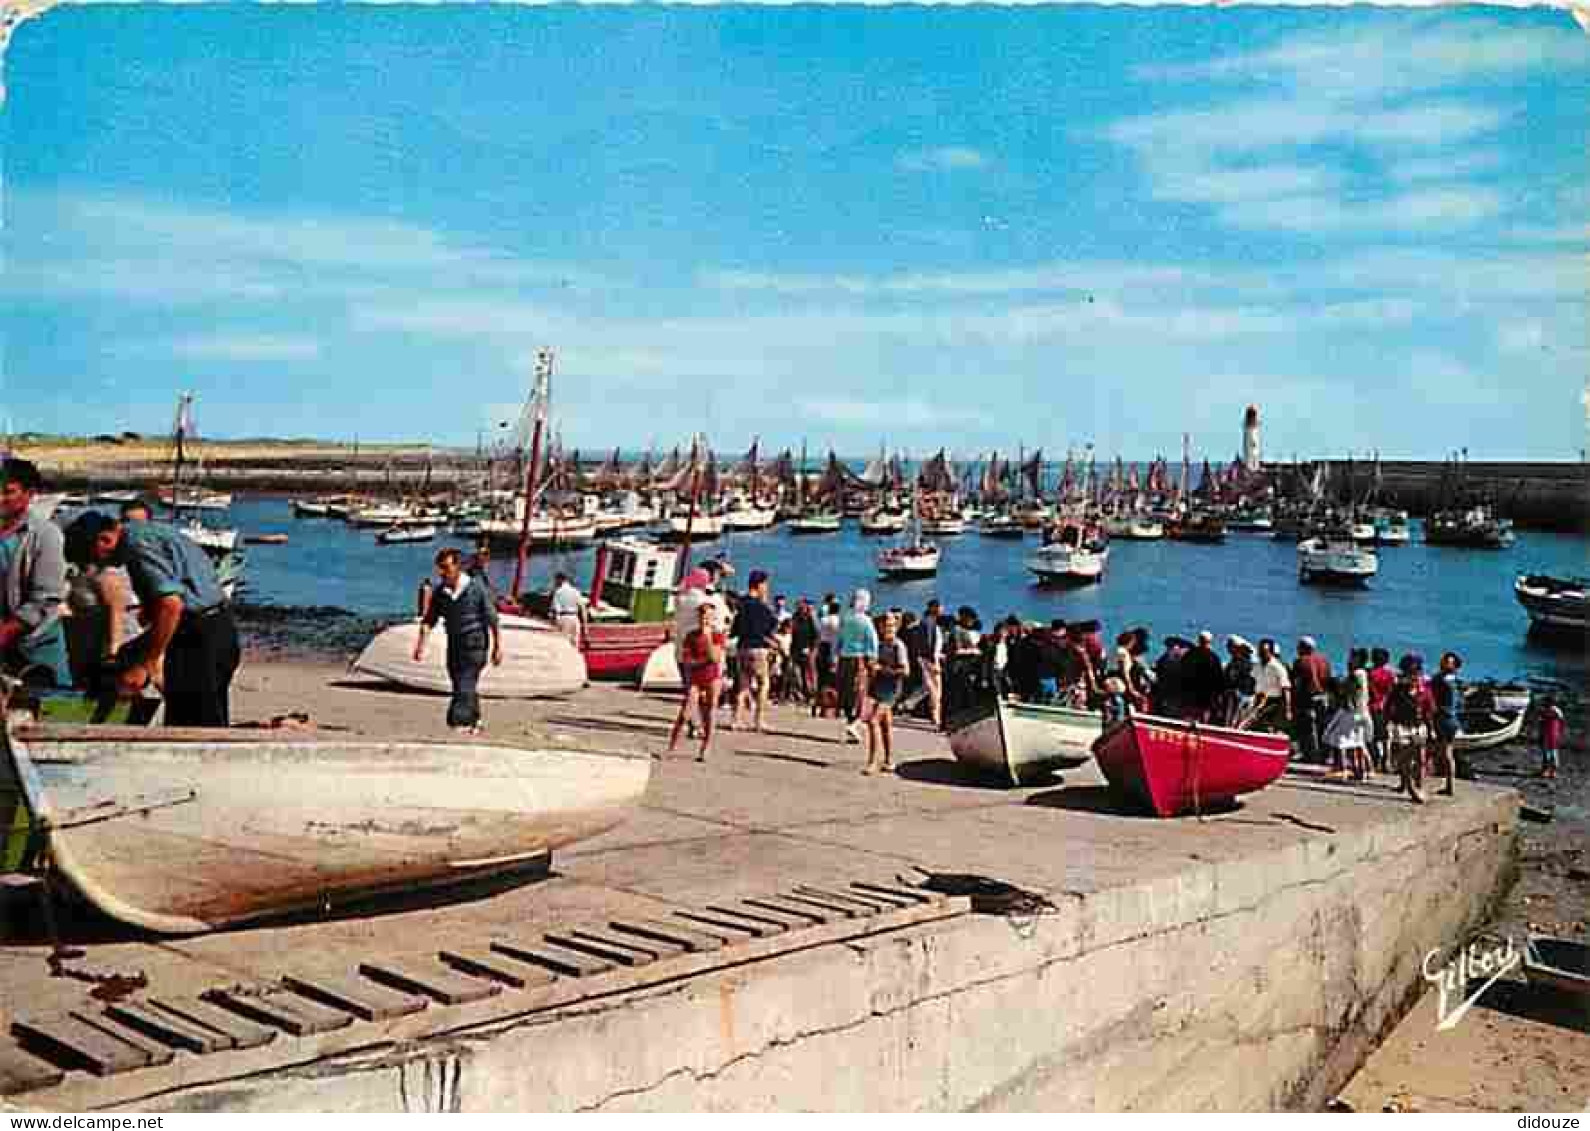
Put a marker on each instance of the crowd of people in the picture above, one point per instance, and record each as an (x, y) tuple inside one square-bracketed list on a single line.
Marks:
[(866, 666)]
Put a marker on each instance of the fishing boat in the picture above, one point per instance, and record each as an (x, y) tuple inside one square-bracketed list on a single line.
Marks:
[(117, 498), (947, 525), (1335, 557), (912, 558), (1476, 528), (883, 520), (701, 528), (1071, 554), (537, 661), (1173, 767), (815, 522), (748, 517), (272, 539), (1133, 527), (1199, 526), (1251, 520), (1391, 529), (1033, 514), (1556, 603), (544, 530), (310, 508), (1483, 730), (1023, 742), (1559, 964), (186, 831), (194, 499), (394, 535), (381, 515), (1001, 524)]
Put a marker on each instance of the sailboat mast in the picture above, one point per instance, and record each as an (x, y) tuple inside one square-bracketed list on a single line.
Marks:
[(695, 493), (540, 398)]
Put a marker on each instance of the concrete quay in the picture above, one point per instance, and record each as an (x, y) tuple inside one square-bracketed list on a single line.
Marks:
[(1248, 960)]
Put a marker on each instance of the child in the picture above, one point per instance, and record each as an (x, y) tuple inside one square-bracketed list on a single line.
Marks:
[(1346, 735), (1115, 704), (888, 677), (1409, 709), (1552, 727), (701, 663)]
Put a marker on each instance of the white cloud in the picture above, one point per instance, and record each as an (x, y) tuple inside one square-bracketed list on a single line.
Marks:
[(245, 347), (946, 159), (1446, 168)]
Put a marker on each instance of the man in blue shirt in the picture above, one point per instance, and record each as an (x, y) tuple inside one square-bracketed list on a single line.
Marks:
[(32, 582), (191, 649), (465, 607), (754, 630)]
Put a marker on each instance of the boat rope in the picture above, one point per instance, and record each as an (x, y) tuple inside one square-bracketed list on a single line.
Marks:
[(1020, 906), (1195, 763)]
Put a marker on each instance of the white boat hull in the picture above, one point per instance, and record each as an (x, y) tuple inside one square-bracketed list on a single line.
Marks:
[(1337, 562), (543, 531), (1058, 565), (749, 519), (181, 835), (1022, 742), (1504, 727), (406, 534), (537, 661), (903, 564), (661, 672), (944, 527)]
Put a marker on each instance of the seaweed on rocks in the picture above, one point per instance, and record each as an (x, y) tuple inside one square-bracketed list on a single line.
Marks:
[(307, 631)]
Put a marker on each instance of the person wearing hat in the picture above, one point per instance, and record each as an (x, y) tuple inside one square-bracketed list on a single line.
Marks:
[(1311, 681), (191, 650), (32, 582), (1240, 682), (754, 632), (1409, 711)]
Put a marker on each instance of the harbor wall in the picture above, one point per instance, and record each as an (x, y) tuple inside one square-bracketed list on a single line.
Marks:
[(1253, 984), (1544, 496)]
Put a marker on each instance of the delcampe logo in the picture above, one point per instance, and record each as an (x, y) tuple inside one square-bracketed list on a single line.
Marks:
[(1484, 957)]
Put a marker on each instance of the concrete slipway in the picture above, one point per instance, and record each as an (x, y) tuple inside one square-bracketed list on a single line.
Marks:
[(1247, 960)]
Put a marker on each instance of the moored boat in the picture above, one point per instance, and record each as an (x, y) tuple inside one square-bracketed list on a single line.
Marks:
[(1392, 529), (1072, 554), (1476, 528), (1197, 527), (1001, 524), (1557, 603), (901, 563), (187, 831), (1335, 558), (1022, 742), (815, 522), (1173, 767), (944, 526), (883, 520), (393, 535)]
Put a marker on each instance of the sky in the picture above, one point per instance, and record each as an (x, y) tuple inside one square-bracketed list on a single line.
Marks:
[(967, 227)]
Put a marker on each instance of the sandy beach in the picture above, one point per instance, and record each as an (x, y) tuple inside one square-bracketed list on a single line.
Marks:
[(1508, 1054)]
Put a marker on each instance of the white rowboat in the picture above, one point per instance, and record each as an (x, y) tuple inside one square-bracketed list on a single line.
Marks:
[(537, 661), (1022, 742)]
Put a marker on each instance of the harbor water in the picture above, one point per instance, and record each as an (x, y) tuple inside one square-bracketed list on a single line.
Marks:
[(1427, 599)]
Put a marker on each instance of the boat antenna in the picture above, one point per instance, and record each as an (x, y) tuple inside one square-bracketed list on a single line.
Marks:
[(540, 396)]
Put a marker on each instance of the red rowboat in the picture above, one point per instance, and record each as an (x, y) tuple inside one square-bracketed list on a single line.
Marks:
[(620, 650), (1178, 767)]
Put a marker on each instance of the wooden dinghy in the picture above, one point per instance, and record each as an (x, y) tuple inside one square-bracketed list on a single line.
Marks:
[(1022, 742), (537, 661), (1485, 729), (181, 831), (1173, 767)]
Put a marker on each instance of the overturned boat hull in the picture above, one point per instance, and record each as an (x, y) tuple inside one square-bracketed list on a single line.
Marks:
[(537, 661), (187, 834)]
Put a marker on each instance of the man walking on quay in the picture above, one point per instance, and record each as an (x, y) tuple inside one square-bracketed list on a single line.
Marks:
[(32, 582), (464, 605), (191, 649), (754, 627), (569, 610)]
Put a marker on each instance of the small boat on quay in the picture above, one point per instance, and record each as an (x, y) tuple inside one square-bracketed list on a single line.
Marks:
[(185, 831), (537, 661), (1072, 554), (1488, 695), (1560, 604), (1334, 557), (1021, 743), (395, 535), (1172, 767)]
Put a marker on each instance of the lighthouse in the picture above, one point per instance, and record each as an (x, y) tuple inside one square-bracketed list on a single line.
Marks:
[(1250, 439)]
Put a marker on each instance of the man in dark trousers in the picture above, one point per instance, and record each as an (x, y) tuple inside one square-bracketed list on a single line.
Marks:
[(1203, 679), (755, 626), (465, 607), (1311, 681), (191, 649)]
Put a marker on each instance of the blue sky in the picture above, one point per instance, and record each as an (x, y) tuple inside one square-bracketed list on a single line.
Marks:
[(967, 226)]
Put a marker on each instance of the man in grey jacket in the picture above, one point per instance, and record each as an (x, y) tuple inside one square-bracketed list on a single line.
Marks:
[(32, 582)]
